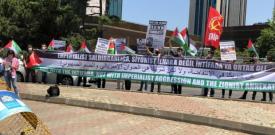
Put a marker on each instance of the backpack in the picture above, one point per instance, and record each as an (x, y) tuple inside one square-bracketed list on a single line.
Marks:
[(53, 91)]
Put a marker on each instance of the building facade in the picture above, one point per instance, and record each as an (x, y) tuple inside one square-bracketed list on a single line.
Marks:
[(233, 11), (109, 7)]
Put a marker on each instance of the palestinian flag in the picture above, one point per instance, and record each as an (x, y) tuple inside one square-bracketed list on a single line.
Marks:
[(177, 38), (251, 47), (12, 45), (111, 49), (69, 48), (190, 49), (84, 48), (182, 40), (51, 46), (34, 60)]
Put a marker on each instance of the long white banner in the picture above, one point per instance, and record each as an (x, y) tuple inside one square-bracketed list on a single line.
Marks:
[(189, 72)]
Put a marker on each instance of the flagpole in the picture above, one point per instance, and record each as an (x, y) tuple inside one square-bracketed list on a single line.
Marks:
[(188, 39)]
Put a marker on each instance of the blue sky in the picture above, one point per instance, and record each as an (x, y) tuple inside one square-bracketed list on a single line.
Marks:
[(176, 12)]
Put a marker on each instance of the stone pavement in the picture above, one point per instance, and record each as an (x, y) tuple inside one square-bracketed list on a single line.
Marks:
[(70, 120), (244, 112)]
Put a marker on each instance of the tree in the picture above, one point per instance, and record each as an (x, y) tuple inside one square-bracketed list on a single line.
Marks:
[(267, 39), (37, 21)]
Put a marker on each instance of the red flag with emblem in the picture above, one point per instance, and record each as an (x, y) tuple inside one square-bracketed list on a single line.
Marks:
[(213, 29)]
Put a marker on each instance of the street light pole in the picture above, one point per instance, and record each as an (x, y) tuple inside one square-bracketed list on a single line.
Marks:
[(100, 21)]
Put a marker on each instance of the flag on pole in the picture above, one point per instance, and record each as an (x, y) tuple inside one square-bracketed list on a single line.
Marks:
[(182, 39), (12, 45), (177, 38), (69, 48), (213, 29), (111, 49), (51, 46), (189, 47), (84, 48), (251, 47)]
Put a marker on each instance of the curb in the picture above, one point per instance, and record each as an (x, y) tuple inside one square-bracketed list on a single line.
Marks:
[(195, 119)]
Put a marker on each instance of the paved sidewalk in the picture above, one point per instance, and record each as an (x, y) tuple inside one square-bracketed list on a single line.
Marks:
[(244, 112), (61, 120)]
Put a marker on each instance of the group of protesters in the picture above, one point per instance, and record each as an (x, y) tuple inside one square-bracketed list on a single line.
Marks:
[(10, 65)]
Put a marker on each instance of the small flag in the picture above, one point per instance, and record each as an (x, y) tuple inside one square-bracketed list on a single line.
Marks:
[(12, 45), (84, 48), (69, 48), (251, 47), (190, 49), (182, 39), (177, 38), (51, 46), (111, 49)]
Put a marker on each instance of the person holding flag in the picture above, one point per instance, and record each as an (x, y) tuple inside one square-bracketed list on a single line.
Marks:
[(182, 39), (176, 89), (29, 70), (254, 60), (213, 29), (83, 49)]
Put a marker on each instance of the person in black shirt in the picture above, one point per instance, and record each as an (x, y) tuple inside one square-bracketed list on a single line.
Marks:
[(210, 55), (254, 60), (176, 88)]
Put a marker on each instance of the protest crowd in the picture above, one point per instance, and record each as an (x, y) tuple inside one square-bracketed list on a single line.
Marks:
[(151, 60)]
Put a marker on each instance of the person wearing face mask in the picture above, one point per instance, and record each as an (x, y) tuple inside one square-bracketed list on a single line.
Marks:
[(44, 48), (29, 71), (176, 89), (210, 55), (11, 65), (157, 54)]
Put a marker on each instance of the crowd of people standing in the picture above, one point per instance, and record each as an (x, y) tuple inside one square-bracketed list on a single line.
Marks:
[(10, 66)]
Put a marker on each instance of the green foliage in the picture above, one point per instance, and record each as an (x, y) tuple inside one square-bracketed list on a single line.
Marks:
[(75, 40), (267, 39), (271, 53), (37, 21)]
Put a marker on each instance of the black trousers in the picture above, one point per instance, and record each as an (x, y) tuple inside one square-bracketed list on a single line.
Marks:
[(212, 92), (31, 72), (177, 89), (142, 83), (245, 94), (82, 79), (44, 77), (223, 93), (127, 84), (270, 96), (153, 87), (101, 83)]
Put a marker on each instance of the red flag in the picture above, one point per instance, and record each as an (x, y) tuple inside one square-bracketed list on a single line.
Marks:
[(84, 48), (34, 60), (250, 44), (175, 32), (213, 28), (69, 48)]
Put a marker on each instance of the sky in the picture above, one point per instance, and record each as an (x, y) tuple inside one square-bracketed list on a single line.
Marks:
[(176, 12)]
